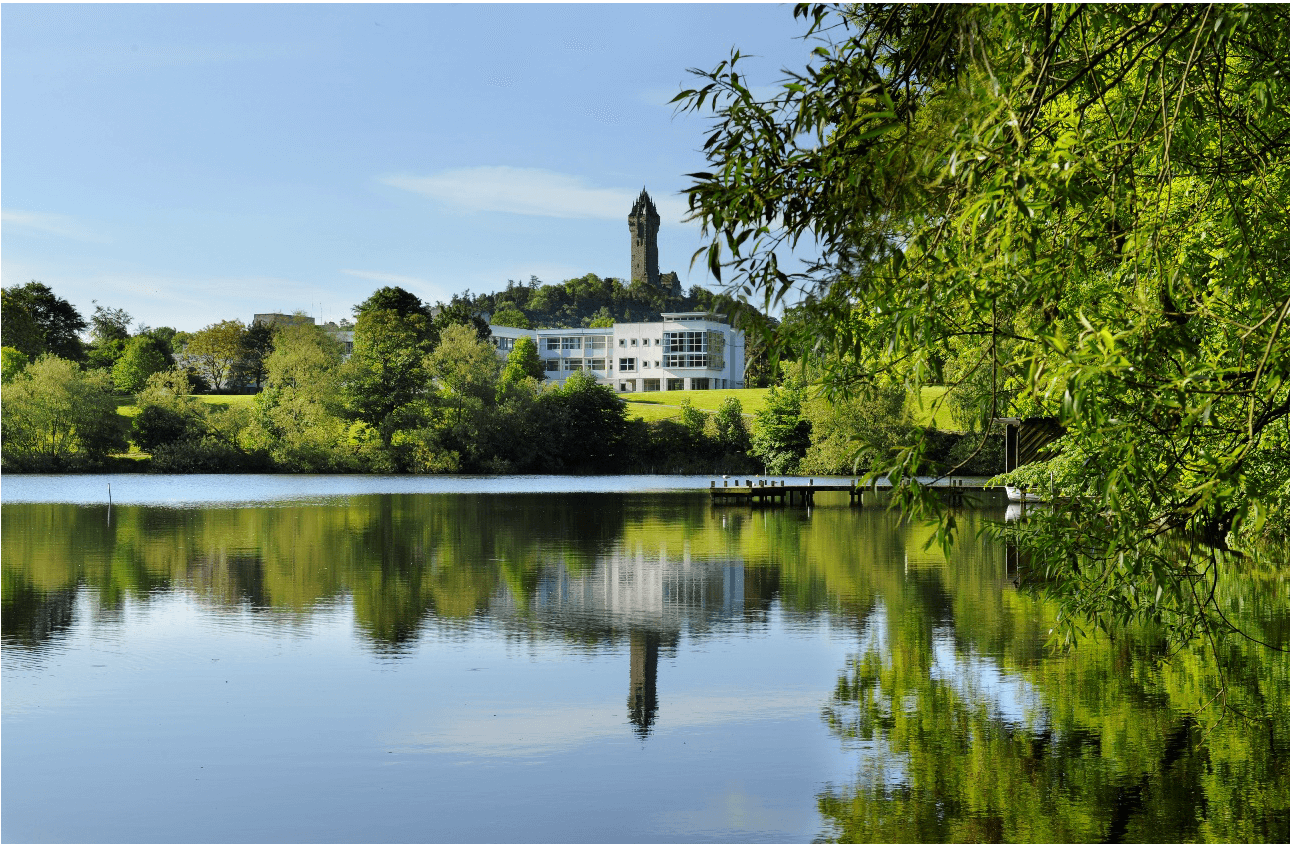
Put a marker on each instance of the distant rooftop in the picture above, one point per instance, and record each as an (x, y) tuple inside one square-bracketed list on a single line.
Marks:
[(693, 316)]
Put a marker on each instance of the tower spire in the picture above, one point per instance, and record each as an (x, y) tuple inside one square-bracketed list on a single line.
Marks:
[(643, 225)]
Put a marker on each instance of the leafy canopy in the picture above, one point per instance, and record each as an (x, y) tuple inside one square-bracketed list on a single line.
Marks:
[(1078, 212)]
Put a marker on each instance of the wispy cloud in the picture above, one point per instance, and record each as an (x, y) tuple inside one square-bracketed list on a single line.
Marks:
[(533, 192), (58, 225)]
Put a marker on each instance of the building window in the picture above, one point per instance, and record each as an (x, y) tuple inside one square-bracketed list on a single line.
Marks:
[(717, 350), (650, 385), (684, 341), (656, 341), (622, 343), (573, 364), (571, 342), (597, 342), (597, 364), (676, 384), (686, 361), (553, 365), (553, 344), (699, 383), (686, 350), (628, 364), (632, 342)]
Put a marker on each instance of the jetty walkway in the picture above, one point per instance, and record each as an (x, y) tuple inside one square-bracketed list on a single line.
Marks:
[(766, 491)]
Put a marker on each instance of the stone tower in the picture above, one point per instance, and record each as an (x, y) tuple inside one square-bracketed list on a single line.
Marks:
[(643, 224)]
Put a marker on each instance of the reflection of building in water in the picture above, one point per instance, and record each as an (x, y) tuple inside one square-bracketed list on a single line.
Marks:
[(653, 599), (637, 592)]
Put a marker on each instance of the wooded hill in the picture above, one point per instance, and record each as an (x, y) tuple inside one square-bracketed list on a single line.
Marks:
[(579, 302), (594, 302)]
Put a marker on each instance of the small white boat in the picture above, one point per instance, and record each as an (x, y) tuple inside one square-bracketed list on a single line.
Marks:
[(1014, 493)]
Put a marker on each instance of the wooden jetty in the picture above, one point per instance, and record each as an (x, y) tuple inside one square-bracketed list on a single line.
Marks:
[(766, 491)]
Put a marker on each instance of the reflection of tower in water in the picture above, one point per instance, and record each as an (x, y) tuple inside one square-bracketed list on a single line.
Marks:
[(642, 673), (652, 598)]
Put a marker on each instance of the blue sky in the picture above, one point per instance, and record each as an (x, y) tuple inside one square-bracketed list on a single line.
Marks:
[(192, 163)]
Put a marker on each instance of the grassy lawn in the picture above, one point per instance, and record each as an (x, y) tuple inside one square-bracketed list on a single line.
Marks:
[(668, 405), (127, 408), (226, 401)]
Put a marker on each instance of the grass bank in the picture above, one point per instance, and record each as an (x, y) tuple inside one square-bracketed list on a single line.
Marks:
[(668, 405)]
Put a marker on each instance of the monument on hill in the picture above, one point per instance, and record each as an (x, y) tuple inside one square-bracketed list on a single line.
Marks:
[(643, 225)]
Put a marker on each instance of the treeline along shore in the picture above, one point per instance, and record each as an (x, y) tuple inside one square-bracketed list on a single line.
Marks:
[(422, 391)]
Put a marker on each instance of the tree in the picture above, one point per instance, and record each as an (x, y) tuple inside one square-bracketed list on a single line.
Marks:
[(395, 299), (851, 435), (165, 337), (297, 417), (781, 435), (693, 419), (57, 321), (105, 354), (12, 362), (584, 424), (55, 416), (109, 331), (142, 357), (109, 323), (602, 319), (465, 368), (253, 353), (216, 349), (523, 362), (384, 381), (733, 433), (511, 317), (459, 311), (466, 372), (183, 435), (19, 329), (1085, 208)]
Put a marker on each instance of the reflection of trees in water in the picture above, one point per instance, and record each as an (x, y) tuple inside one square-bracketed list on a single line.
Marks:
[(401, 560), (406, 561), (967, 731), (31, 618), (938, 762)]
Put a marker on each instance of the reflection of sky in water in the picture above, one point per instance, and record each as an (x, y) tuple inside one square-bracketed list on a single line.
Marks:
[(1010, 699), (292, 712), (879, 767), (528, 731)]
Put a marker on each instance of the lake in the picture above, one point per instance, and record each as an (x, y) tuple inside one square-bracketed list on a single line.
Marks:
[(279, 658)]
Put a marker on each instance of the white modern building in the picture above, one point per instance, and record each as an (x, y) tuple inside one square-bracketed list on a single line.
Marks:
[(690, 351)]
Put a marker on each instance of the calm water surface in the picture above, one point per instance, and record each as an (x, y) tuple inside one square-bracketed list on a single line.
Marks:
[(247, 658)]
